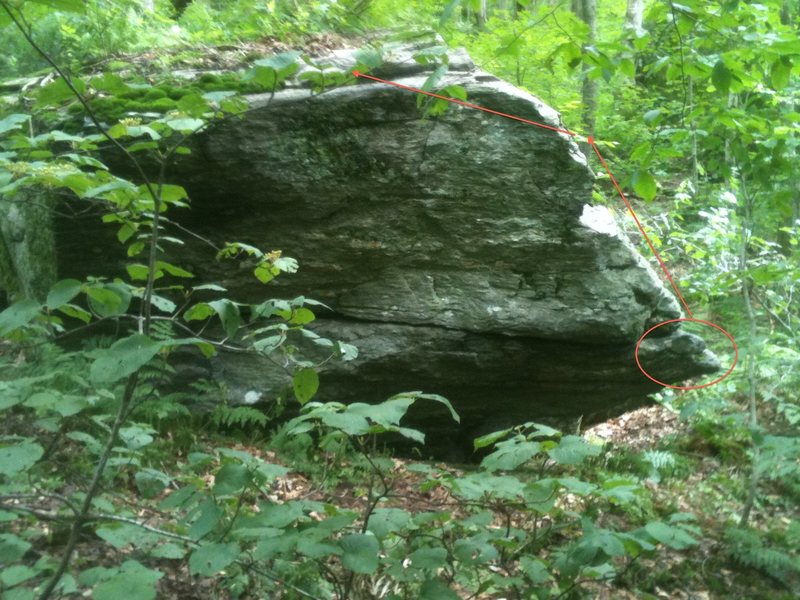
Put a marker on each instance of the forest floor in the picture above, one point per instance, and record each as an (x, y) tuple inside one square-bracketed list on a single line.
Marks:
[(705, 484), (702, 487)]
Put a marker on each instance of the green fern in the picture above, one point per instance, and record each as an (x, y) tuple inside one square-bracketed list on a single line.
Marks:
[(659, 461), (241, 416), (747, 548), (161, 409)]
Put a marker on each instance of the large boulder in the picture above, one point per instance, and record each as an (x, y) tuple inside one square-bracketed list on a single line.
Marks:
[(460, 253)]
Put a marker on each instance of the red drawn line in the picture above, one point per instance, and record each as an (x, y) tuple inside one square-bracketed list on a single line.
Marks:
[(639, 225), (591, 142), (462, 103)]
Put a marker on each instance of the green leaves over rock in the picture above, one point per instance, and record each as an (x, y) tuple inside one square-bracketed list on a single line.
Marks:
[(123, 358), (305, 384)]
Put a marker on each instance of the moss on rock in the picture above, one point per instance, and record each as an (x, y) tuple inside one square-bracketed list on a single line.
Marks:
[(27, 245)]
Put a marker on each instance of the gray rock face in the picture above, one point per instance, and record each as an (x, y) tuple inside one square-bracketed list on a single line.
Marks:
[(459, 253)]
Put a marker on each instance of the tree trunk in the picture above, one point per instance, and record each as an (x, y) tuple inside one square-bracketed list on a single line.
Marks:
[(586, 10), (482, 15), (634, 15)]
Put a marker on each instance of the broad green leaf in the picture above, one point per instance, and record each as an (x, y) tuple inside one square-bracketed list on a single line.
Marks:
[(133, 582), (721, 77), (430, 83), (627, 67), (109, 300), (13, 121), (18, 315), (360, 552), (65, 405), (168, 551), (781, 72), (652, 116), (193, 105), (213, 558), (108, 82), (510, 454), (489, 438), (347, 351), (199, 312), (185, 125), (371, 58), (428, 558), (674, 537), (286, 264), (228, 314), (15, 574), (436, 589), (573, 449), (441, 400), (136, 437), (172, 269), (305, 384), (620, 490), (92, 444), (12, 548), (118, 130), (76, 312), (577, 486), (388, 413), (407, 432), (163, 304), (232, 478), (101, 190), (19, 457), (384, 521), (534, 569), (173, 193), (217, 96), (120, 535), (316, 550), (474, 550), (125, 232), (263, 76), (151, 482), (94, 575), (78, 183), (210, 516), (644, 184), (135, 248), (178, 498), (603, 540), (455, 91), (265, 271), (302, 316), (124, 357), (276, 546), (269, 344), (58, 91), (139, 272), (283, 65)]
